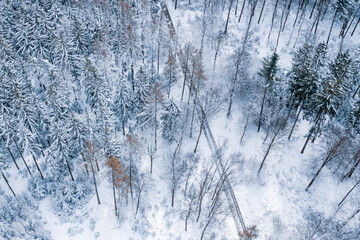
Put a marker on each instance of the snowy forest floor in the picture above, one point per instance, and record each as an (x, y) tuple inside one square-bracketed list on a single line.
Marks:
[(274, 200)]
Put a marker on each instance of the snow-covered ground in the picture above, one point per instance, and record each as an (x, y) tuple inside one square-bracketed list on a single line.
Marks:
[(274, 200)]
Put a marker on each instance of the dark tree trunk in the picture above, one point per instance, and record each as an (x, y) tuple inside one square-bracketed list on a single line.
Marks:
[(245, 127), (273, 18), (12, 156), (357, 23), (268, 150), (261, 111), (37, 166), (228, 16), (172, 197), (138, 200), (348, 193), (288, 115), (312, 10), (356, 163), (198, 139), (331, 27), (281, 23), (357, 90), (22, 157), (7, 182), (287, 15), (242, 10), (113, 183), (328, 158), (261, 12), (176, 4), (93, 174), (236, 7), (296, 119), (68, 166), (306, 142)]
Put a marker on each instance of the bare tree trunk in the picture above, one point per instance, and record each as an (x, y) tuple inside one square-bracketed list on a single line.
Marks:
[(37, 166), (357, 23), (281, 23), (172, 197), (242, 10), (268, 150), (328, 158), (176, 4), (312, 10), (7, 182), (331, 27), (228, 16), (288, 115), (261, 111), (287, 15), (245, 127), (234, 82), (22, 157), (86, 168), (306, 142), (97, 165), (297, 12), (357, 89), (68, 166), (296, 119), (348, 193), (273, 18), (206, 225), (356, 163), (93, 174), (113, 183), (198, 139), (188, 213), (262, 9), (138, 200), (12, 156), (236, 7)]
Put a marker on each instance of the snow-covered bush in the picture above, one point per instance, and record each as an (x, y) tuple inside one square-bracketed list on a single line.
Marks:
[(18, 219), (70, 196)]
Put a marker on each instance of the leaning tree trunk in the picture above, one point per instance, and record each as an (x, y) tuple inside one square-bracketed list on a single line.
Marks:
[(306, 142), (357, 23), (296, 119), (22, 157), (37, 166), (331, 27), (348, 193), (261, 110), (328, 158), (7, 182), (261, 12), (86, 168), (273, 18), (68, 166), (268, 150), (12, 156), (356, 163), (242, 10), (228, 16)]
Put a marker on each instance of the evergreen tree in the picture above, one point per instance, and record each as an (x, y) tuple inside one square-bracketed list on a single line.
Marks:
[(170, 119), (305, 77), (269, 73), (334, 89), (123, 104), (96, 90)]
